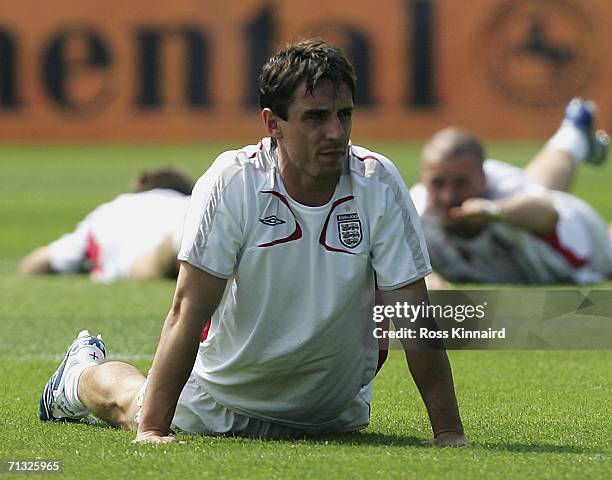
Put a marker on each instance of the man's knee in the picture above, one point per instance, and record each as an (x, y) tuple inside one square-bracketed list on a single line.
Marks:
[(110, 391)]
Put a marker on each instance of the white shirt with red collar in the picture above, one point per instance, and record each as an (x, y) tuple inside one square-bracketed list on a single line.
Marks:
[(291, 340)]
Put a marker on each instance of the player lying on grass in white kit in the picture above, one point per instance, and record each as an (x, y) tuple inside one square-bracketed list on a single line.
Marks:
[(284, 245), (488, 221), (137, 235)]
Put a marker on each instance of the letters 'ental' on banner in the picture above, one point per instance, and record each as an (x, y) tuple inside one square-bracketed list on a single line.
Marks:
[(185, 70)]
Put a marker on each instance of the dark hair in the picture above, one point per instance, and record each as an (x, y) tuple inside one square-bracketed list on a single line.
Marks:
[(168, 177), (311, 60)]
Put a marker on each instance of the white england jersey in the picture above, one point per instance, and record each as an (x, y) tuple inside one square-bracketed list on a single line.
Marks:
[(114, 235), (291, 340), (579, 251)]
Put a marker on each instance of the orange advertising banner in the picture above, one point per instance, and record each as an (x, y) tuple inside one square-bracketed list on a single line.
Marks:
[(187, 70)]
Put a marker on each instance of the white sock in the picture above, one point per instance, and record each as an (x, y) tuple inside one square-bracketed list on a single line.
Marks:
[(572, 140), (71, 389)]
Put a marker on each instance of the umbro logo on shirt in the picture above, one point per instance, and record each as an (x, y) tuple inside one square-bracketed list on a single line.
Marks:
[(271, 220)]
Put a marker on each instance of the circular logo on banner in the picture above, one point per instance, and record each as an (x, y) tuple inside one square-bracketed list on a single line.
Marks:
[(541, 53)]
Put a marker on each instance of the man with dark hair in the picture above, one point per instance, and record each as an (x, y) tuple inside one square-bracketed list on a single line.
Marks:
[(271, 329), (305, 63), (488, 221), (135, 236), (169, 178)]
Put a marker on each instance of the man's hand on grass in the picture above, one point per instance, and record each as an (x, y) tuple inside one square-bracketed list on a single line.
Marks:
[(450, 439), (152, 437)]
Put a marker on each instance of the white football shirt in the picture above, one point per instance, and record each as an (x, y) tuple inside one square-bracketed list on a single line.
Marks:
[(291, 340), (115, 234)]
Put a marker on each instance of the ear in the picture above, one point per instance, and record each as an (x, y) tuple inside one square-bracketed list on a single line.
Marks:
[(272, 123)]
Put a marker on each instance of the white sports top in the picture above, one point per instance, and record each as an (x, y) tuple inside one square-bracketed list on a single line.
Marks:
[(291, 340), (579, 251), (115, 234)]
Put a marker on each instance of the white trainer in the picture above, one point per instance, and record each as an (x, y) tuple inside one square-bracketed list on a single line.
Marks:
[(55, 403), (582, 115)]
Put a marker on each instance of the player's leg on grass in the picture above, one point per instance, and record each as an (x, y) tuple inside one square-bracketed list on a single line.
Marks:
[(110, 390), (575, 142), (83, 384)]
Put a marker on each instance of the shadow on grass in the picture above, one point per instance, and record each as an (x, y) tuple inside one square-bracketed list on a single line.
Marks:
[(371, 438), (361, 439), (387, 440), (348, 439), (535, 448)]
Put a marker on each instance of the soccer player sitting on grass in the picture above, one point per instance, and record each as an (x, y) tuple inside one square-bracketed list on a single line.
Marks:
[(487, 221), (283, 245), (137, 235)]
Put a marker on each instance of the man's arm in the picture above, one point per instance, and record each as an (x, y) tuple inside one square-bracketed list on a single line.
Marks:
[(195, 300), (435, 281), (36, 262), (64, 255), (536, 214), (431, 371)]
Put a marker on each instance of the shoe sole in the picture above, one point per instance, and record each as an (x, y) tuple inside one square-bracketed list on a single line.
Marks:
[(600, 145), (46, 398)]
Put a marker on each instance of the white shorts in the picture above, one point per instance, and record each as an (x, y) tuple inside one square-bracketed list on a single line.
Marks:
[(198, 413)]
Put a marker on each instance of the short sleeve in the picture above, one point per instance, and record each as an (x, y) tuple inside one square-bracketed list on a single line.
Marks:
[(212, 235), (420, 197), (399, 253)]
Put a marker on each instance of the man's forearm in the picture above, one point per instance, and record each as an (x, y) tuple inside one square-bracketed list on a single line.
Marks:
[(429, 367), (196, 298), (536, 214), (433, 377), (172, 365), (36, 262)]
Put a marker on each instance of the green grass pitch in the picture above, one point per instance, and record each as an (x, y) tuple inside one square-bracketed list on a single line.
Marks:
[(528, 414)]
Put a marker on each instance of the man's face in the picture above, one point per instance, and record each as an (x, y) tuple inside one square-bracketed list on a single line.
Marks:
[(450, 181), (316, 133)]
